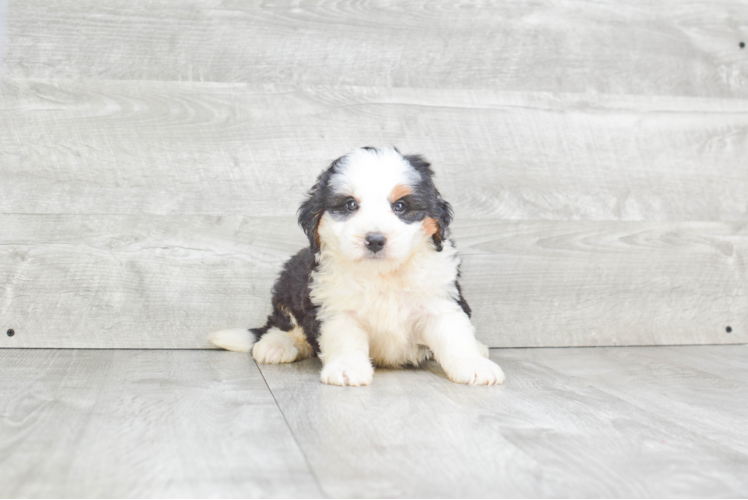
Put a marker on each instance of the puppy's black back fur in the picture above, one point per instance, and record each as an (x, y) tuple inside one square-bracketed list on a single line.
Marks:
[(291, 296)]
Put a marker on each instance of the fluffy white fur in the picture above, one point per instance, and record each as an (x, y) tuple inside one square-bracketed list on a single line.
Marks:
[(233, 339)]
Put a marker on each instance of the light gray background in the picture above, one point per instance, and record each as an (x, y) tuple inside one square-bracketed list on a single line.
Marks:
[(154, 154)]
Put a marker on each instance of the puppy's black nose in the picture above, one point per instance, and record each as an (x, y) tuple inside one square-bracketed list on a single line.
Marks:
[(375, 241)]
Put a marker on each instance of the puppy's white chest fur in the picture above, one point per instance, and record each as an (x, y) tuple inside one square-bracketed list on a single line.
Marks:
[(392, 308)]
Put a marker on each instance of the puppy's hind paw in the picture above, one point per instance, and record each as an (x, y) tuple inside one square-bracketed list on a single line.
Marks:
[(275, 347), (475, 371), (347, 373)]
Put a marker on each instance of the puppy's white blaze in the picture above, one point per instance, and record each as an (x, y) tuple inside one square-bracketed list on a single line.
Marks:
[(234, 339), (373, 172)]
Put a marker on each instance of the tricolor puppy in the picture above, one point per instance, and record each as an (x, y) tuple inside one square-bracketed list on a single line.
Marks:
[(377, 285)]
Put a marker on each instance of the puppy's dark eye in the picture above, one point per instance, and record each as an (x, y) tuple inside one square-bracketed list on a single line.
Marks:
[(398, 207), (351, 205)]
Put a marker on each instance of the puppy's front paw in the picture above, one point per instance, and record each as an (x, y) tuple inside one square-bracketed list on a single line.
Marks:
[(474, 371), (347, 373)]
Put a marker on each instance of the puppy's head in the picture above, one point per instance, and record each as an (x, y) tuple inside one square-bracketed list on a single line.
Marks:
[(375, 205)]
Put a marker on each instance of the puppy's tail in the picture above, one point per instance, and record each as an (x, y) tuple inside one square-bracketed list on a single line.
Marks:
[(235, 339)]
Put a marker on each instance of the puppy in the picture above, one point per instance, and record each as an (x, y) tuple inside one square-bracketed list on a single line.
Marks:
[(377, 284)]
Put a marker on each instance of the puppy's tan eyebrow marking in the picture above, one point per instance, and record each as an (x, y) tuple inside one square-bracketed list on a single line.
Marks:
[(399, 191), (430, 226)]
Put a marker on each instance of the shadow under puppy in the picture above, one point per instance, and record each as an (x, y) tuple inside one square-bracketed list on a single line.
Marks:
[(378, 282)]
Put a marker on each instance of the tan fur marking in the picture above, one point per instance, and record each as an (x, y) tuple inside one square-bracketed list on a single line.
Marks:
[(290, 316), (299, 340), (399, 191), (430, 226), (316, 232)]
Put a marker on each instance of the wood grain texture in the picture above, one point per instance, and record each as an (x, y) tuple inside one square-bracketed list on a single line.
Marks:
[(173, 148), (143, 424), (736, 366), (550, 431), (627, 47), (680, 383), (167, 281), (607, 283), (2, 36), (133, 282)]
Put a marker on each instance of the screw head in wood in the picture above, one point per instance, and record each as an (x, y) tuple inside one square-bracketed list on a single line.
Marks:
[(728, 329), (10, 332), (742, 45)]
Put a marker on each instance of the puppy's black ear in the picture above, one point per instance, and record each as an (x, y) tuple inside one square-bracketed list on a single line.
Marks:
[(441, 210), (311, 210), (444, 218), (310, 213)]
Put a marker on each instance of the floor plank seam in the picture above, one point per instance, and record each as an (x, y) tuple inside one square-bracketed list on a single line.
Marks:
[(290, 429)]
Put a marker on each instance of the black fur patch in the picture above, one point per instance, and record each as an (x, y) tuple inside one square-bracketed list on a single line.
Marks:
[(462, 302), (426, 201), (310, 212), (291, 295), (338, 207)]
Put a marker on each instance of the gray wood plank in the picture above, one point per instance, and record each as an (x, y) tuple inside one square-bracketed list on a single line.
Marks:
[(2, 37), (545, 433), (175, 148), (543, 283), (112, 424), (702, 393), (105, 281), (738, 365), (627, 47), (134, 282)]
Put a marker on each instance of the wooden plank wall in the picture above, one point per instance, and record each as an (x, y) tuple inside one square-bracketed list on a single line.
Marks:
[(153, 154)]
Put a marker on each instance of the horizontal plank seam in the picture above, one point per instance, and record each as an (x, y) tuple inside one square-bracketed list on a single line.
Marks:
[(456, 222), (266, 89), (490, 347)]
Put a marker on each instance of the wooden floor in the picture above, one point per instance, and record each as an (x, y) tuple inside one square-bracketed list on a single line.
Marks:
[(569, 422)]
